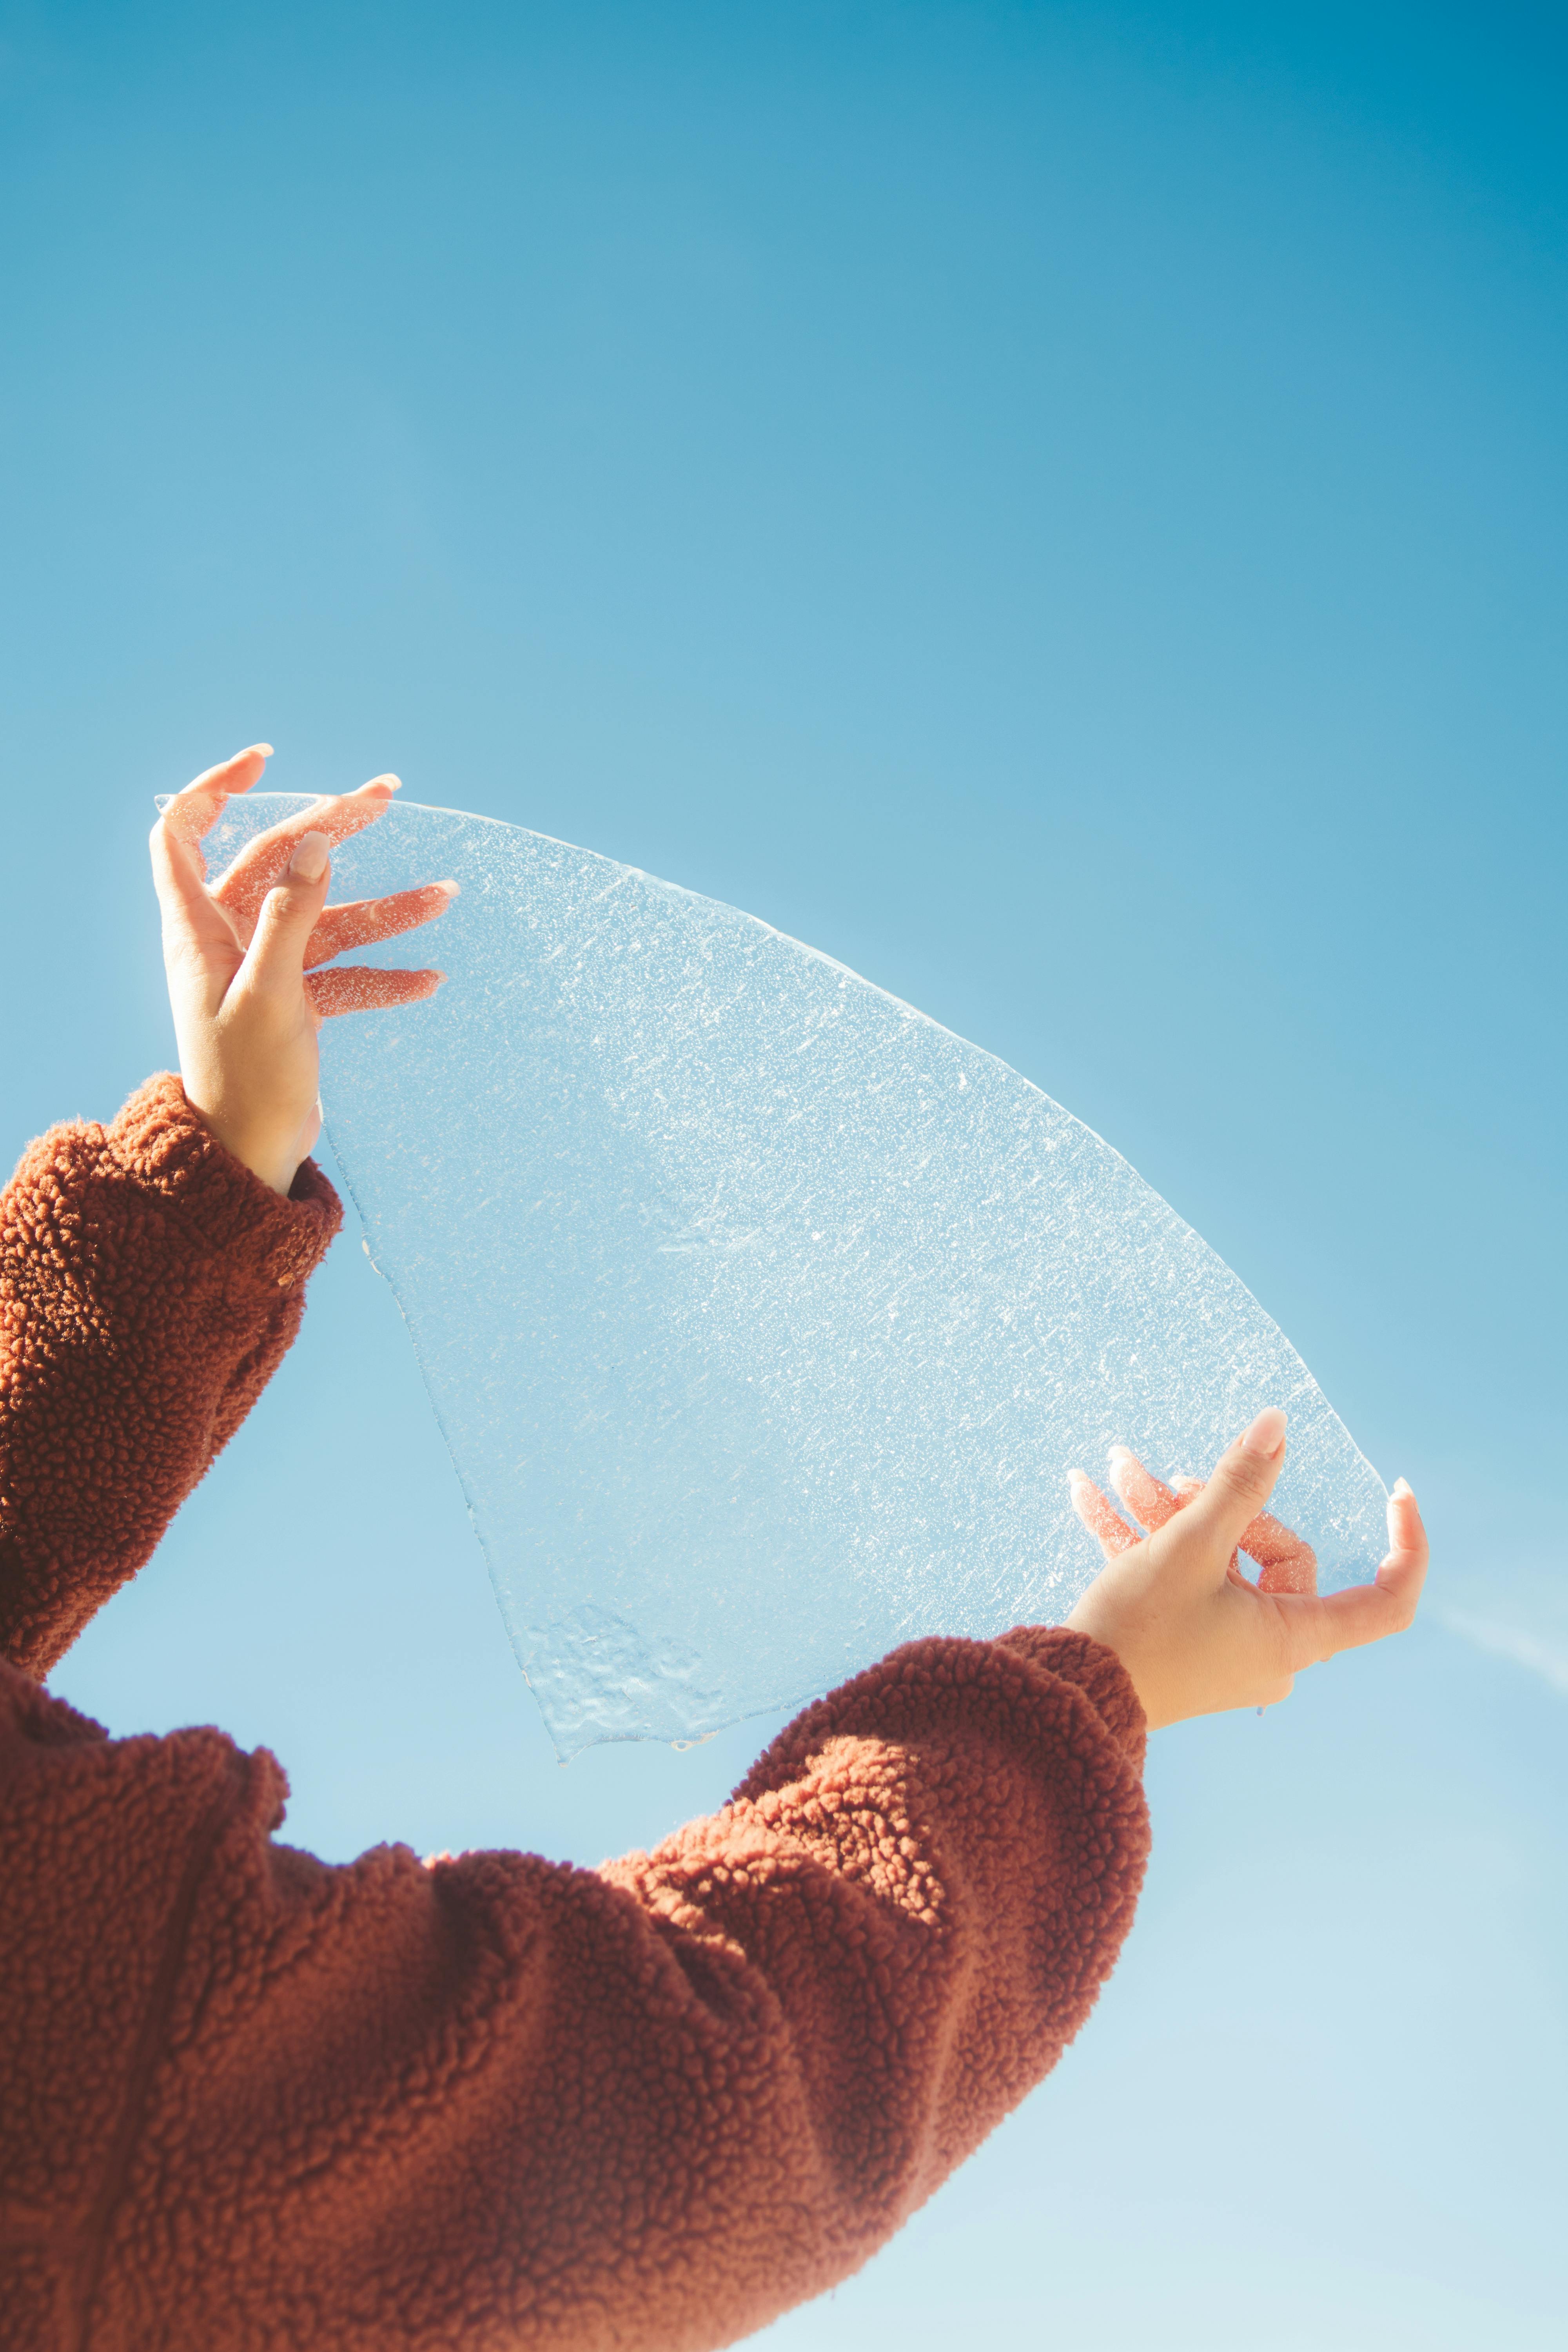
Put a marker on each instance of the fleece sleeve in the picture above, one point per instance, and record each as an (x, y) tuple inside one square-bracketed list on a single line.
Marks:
[(149, 1283), (497, 2102)]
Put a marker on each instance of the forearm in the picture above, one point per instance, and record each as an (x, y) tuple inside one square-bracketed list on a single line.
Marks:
[(149, 1285), (916, 1896)]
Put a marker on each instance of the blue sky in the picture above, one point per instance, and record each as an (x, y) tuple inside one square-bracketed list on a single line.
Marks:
[(1062, 509)]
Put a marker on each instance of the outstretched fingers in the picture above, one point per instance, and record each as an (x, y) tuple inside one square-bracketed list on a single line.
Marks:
[(1366, 1612), (1148, 1499), (201, 952), (177, 873), (1098, 1516), (361, 988), (264, 861), (196, 810), (1287, 1561), (1216, 1518), (364, 920)]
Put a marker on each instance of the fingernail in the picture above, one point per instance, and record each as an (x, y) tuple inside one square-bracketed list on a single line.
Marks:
[(1078, 1478), (388, 783), (1400, 1490), (309, 863), (1113, 1451), (265, 750), (453, 889), (1267, 1435)]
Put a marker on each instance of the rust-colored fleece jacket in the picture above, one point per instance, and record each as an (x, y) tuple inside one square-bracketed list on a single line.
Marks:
[(251, 2101)]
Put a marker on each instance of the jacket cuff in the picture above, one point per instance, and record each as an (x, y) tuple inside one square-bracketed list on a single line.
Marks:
[(170, 1151), (1099, 1673)]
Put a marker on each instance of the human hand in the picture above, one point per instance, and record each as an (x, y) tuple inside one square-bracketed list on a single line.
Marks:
[(1195, 1634), (241, 954)]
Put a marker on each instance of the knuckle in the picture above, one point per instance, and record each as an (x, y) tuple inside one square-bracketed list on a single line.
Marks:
[(1242, 1478), (1399, 1610)]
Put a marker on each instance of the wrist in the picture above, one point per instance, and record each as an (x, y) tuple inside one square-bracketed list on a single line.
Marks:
[(275, 1170), (167, 1148), (1109, 1628), (274, 1160)]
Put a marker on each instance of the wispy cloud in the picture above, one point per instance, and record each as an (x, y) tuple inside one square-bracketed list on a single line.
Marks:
[(1543, 1656)]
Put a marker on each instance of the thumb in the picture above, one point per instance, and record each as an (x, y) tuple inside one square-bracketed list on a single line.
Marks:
[(1210, 1526), (275, 958)]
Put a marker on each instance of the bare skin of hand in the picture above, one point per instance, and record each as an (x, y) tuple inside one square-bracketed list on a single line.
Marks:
[(241, 956), (1195, 1635)]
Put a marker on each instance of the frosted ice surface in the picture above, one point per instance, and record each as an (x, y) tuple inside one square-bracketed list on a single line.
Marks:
[(761, 1316)]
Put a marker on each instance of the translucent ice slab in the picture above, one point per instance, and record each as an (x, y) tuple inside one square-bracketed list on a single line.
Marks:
[(762, 1316)]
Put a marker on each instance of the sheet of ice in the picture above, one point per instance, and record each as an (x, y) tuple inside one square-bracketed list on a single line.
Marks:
[(761, 1316)]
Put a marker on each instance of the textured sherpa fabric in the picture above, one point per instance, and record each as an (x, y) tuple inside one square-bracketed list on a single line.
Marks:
[(250, 2101), (149, 1285)]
